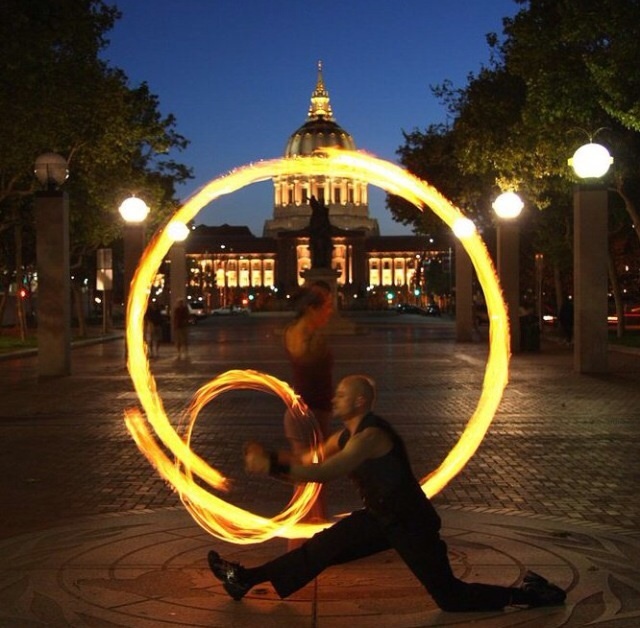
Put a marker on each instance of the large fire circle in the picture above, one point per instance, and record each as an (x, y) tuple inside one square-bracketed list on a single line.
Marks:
[(171, 455)]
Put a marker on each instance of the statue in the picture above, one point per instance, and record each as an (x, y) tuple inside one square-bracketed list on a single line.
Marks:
[(320, 235)]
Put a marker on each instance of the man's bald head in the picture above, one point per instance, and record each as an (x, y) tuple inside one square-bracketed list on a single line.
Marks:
[(361, 386)]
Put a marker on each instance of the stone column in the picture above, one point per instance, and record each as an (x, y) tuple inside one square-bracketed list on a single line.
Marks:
[(133, 248), (509, 273), (178, 280), (464, 294), (54, 284), (590, 280)]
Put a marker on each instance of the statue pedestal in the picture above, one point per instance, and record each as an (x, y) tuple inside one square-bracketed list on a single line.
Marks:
[(337, 324)]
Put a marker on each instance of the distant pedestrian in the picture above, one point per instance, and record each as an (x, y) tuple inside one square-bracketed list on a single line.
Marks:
[(396, 515), (181, 329), (153, 329), (565, 318)]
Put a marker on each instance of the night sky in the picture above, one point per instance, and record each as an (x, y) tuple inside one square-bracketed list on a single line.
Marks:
[(238, 75)]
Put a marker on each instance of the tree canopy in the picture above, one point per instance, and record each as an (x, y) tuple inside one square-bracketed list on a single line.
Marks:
[(559, 76), (57, 95)]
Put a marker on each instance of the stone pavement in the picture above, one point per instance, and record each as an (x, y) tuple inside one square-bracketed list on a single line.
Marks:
[(91, 536)]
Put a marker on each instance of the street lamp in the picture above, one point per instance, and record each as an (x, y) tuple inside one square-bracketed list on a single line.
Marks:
[(134, 212), (590, 263), (463, 228), (508, 207), (591, 161), (178, 232), (51, 170), (52, 252)]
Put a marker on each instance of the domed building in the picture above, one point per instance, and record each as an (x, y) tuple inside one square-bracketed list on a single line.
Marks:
[(231, 265), (345, 198)]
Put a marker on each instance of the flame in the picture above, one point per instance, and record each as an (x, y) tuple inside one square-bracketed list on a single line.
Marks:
[(172, 456)]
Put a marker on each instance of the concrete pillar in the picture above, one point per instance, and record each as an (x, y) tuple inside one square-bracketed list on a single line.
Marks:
[(54, 284), (133, 248), (509, 273), (178, 281), (464, 294), (590, 335)]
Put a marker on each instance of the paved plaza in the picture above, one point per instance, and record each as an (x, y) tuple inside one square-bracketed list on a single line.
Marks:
[(90, 535)]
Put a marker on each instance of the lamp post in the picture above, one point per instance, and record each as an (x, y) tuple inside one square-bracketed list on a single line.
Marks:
[(52, 252), (463, 228), (508, 207), (539, 305), (590, 281), (178, 232), (464, 294), (134, 212)]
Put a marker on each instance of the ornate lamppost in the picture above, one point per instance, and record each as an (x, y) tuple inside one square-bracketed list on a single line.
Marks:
[(134, 211), (508, 207), (590, 280)]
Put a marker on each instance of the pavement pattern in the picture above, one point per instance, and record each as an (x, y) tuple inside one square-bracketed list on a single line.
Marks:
[(91, 536)]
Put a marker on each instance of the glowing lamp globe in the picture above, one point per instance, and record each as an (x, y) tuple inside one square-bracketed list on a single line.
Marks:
[(508, 205), (177, 231), (463, 228), (591, 161), (134, 210), (51, 170)]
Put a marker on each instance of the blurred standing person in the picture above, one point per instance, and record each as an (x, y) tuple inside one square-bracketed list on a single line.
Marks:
[(181, 329), (565, 318), (311, 362), (153, 329)]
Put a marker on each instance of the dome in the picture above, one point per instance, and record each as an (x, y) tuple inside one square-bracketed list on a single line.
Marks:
[(345, 197), (315, 134), (320, 130)]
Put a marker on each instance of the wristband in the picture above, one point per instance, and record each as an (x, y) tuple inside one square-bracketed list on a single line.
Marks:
[(276, 468)]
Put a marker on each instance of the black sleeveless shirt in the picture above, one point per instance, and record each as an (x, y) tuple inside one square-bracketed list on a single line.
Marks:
[(387, 485)]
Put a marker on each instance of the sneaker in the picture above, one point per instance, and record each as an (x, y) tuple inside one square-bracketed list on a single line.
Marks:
[(542, 592), (230, 574)]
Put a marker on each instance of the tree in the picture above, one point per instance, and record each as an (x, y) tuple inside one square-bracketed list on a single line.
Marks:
[(431, 156), (56, 94), (573, 58), (568, 54), (550, 85)]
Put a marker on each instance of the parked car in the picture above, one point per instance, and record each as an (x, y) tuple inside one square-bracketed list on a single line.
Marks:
[(631, 317), (407, 308), (432, 309), (549, 316), (229, 310), (197, 311)]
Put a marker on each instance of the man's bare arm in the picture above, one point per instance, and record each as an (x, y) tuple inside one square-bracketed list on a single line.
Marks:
[(370, 443)]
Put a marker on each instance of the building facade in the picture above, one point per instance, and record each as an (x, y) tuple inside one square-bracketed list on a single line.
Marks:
[(228, 264)]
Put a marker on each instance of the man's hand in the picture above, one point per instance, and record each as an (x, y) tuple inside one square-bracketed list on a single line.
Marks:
[(256, 459)]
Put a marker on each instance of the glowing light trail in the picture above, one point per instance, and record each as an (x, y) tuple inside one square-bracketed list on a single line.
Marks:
[(155, 435)]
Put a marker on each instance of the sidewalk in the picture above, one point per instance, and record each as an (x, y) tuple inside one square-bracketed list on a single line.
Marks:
[(90, 536)]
